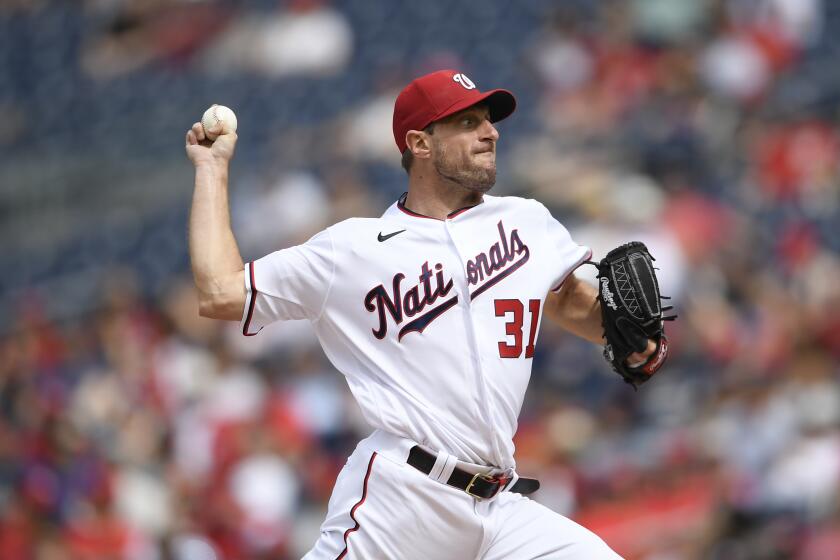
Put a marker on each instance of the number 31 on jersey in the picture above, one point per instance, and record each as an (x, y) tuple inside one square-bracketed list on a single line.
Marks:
[(513, 327)]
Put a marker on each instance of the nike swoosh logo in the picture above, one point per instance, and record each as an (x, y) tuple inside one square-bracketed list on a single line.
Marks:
[(382, 238)]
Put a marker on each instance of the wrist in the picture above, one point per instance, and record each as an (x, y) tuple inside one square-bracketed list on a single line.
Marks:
[(212, 170), (212, 164)]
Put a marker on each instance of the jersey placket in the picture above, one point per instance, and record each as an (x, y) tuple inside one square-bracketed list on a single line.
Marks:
[(484, 401)]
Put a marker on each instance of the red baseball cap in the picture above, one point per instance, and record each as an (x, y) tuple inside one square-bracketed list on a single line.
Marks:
[(437, 95)]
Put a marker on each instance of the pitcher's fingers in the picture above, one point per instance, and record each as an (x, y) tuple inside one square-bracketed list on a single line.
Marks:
[(191, 139), (199, 131)]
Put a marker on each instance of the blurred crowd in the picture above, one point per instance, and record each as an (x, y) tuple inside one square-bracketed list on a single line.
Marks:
[(130, 428)]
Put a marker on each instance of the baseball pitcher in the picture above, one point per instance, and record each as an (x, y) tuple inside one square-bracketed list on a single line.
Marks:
[(431, 312)]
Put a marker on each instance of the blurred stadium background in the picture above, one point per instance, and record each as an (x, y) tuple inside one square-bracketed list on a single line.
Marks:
[(132, 429)]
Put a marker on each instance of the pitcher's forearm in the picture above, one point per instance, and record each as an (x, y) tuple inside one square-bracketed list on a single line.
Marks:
[(576, 308), (216, 263), (214, 253)]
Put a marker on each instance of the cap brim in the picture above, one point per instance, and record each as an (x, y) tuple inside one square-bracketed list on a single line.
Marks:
[(500, 102)]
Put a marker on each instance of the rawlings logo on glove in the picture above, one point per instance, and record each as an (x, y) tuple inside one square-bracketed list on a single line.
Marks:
[(606, 295), (631, 313)]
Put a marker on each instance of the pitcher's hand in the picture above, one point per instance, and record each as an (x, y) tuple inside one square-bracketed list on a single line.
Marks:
[(202, 151), (638, 358)]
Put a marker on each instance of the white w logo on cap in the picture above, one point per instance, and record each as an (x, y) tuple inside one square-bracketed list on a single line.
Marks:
[(464, 81)]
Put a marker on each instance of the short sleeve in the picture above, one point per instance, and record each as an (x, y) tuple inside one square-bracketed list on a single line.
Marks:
[(567, 255), (293, 283)]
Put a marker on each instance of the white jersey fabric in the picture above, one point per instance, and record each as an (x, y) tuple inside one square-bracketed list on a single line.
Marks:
[(432, 322)]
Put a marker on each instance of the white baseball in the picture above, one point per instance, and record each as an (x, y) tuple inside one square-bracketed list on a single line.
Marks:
[(218, 120)]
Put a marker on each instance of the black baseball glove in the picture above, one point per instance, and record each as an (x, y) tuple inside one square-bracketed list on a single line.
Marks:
[(631, 311)]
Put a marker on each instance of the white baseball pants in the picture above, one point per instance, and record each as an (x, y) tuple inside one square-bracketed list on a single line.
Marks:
[(384, 509)]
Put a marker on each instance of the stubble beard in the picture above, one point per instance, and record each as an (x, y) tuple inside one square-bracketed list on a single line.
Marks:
[(465, 173)]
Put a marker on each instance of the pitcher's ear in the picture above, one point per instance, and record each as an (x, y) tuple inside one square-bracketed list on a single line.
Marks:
[(418, 143)]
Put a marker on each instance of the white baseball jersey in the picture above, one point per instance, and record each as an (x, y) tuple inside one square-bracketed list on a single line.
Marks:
[(433, 322)]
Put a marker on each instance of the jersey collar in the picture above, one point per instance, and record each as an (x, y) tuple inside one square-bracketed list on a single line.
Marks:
[(401, 206)]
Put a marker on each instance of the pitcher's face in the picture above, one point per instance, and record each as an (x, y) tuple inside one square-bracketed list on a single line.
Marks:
[(464, 148)]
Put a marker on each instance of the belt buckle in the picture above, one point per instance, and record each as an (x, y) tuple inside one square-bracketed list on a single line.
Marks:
[(501, 479), (475, 477)]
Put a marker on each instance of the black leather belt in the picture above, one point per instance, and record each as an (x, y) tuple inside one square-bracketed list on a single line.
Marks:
[(477, 485)]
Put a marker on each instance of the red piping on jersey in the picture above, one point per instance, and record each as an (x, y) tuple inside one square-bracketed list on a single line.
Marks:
[(254, 293), (414, 214), (355, 507), (586, 257), (458, 212)]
